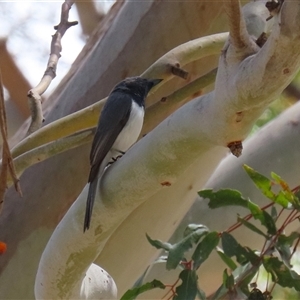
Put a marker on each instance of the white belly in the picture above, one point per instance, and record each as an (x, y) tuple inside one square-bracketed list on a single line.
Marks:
[(130, 133)]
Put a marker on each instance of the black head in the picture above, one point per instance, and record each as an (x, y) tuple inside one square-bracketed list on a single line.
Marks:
[(137, 87)]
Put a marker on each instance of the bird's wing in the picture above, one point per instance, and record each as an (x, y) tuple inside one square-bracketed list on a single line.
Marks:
[(113, 118)]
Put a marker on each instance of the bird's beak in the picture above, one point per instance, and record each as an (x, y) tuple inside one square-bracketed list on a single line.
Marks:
[(155, 81)]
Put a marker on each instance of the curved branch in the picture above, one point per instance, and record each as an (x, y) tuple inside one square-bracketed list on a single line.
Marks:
[(184, 54), (43, 152), (65, 126), (7, 161), (154, 114), (88, 116)]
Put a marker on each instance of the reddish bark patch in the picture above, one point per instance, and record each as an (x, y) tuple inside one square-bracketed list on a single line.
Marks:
[(239, 116), (236, 148)]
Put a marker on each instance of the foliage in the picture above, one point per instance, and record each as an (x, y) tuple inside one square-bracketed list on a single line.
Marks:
[(242, 263)]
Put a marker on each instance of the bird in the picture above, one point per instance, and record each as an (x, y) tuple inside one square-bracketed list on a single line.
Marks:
[(119, 127)]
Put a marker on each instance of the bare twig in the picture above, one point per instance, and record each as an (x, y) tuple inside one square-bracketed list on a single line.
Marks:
[(4, 167), (239, 36), (177, 71), (34, 95), (7, 161)]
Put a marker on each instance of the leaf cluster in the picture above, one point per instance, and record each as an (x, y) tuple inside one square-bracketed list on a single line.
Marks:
[(242, 262)]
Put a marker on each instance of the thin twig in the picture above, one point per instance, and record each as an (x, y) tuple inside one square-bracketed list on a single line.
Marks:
[(239, 36), (7, 161), (4, 167), (34, 95)]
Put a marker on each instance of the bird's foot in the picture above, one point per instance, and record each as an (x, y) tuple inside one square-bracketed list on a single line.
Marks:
[(114, 159)]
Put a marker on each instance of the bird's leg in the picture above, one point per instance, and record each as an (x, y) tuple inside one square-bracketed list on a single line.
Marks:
[(114, 159)]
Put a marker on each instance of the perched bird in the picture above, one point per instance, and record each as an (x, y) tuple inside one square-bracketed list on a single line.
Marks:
[(119, 126)]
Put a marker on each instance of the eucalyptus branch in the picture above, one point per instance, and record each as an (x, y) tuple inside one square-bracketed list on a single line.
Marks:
[(65, 126), (167, 105), (43, 152), (34, 95), (240, 39), (182, 55), (88, 116), (156, 112)]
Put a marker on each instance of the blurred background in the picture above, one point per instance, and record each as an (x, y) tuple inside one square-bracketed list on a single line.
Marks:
[(26, 28)]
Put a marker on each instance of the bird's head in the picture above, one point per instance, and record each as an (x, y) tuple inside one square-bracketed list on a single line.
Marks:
[(137, 86)]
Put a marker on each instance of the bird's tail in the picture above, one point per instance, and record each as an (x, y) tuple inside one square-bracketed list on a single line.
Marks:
[(90, 204)]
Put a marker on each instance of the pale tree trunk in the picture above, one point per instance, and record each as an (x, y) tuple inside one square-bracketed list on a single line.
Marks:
[(130, 39)]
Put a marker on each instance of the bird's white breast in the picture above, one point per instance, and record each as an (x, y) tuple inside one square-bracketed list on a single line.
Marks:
[(131, 131)]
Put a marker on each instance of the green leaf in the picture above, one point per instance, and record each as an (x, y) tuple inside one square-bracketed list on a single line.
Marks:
[(201, 294), (195, 228), (204, 248), (274, 213), (269, 223), (133, 293), (227, 260), (280, 273), (225, 197), (291, 198), (255, 210), (189, 286), (279, 180), (288, 240), (232, 248), (159, 244), (261, 182), (228, 280), (244, 275), (229, 244), (285, 196), (251, 227), (265, 219), (284, 244), (281, 199), (177, 251)]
